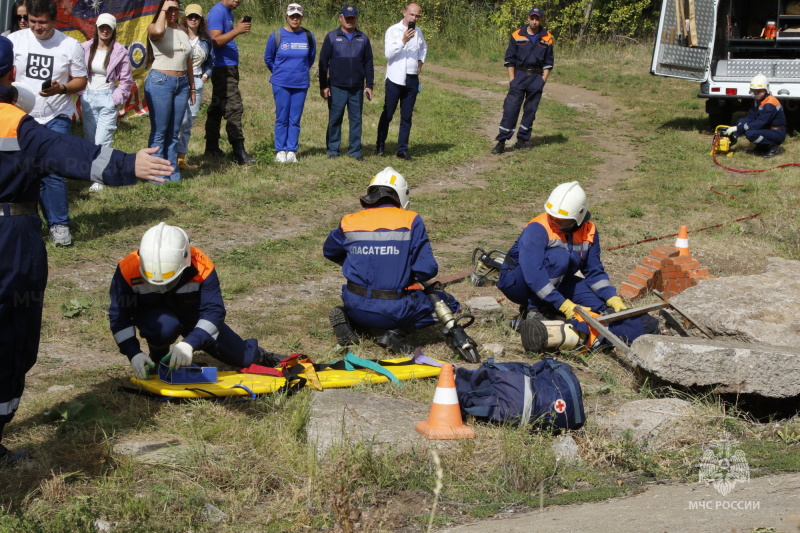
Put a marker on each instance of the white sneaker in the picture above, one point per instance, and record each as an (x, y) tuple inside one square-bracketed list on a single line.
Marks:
[(96, 187), (61, 235), (280, 157), (291, 157)]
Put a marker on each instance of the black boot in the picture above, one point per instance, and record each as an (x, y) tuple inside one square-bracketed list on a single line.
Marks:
[(213, 149), (534, 335), (393, 340), (379, 148), (772, 151), (345, 335), (239, 155), (499, 148), (270, 359), (11, 458), (522, 145)]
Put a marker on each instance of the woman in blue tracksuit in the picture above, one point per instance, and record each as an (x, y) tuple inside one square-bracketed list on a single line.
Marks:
[(290, 52)]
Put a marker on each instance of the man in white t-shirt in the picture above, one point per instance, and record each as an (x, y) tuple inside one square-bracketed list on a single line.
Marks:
[(52, 65), (405, 50)]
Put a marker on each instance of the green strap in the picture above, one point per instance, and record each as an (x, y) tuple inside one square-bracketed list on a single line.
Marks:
[(351, 362)]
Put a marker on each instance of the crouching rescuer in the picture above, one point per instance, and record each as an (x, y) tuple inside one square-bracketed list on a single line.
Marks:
[(540, 274), (168, 289), (765, 123), (383, 249)]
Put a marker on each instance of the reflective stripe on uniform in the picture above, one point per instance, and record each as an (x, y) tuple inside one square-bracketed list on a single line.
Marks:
[(544, 291), (760, 138), (100, 163), (599, 285), (208, 327), (6, 408), (192, 286), (10, 144), (378, 236), (124, 334)]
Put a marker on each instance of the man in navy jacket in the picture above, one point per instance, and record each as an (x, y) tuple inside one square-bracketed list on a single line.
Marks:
[(28, 153), (345, 63)]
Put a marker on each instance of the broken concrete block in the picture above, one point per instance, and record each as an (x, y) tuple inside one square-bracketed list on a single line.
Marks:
[(729, 366), (484, 307), (652, 423)]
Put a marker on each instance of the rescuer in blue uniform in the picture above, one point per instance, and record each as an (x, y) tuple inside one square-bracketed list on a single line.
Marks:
[(540, 270), (529, 60), (28, 153), (383, 250), (168, 289), (765, 123)]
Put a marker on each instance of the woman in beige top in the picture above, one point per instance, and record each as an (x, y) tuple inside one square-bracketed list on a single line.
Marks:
[(168, 89)]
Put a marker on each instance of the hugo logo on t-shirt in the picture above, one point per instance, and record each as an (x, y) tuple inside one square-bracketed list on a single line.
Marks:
[(39, 67)]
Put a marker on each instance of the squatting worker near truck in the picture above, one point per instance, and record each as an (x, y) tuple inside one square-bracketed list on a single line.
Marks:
[(168, 288), (226, 99), (29, 151), (765, 124), (345, 66), (383, 249), (529, 60)]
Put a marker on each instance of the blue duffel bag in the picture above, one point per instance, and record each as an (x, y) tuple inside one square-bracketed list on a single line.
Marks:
[(546, 394)]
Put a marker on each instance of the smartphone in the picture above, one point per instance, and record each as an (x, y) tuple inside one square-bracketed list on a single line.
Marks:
[(369, 97), (247, 19), (46, 84), (412, 25)]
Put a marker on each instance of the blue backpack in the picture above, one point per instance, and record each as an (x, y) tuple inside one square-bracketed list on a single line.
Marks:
[(546, 394)]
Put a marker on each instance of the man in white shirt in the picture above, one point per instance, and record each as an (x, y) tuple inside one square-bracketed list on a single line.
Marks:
[(405, 50), (52, 65)]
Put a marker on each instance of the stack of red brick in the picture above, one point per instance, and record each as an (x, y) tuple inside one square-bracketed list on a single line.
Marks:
[(664, 270)]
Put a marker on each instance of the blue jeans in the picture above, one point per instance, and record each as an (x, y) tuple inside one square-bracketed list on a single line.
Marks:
[(185, 133), (167, 99), (406, 96), (53, 189), (289, 105), (99, 117), (353, 99)]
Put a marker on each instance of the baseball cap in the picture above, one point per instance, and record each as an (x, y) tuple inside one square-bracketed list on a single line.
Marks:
[(6, 55), (294, 9), (349, 11), (193, 9), (107, 19), (536, 11)]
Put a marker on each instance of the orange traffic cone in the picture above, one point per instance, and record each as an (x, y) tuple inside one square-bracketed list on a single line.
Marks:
[(444, 421), (682, 242)]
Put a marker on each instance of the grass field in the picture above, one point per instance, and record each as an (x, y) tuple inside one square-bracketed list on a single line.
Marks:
[(264, 226)]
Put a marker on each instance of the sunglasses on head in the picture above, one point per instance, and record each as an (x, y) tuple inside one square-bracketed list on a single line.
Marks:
[(20, 17)]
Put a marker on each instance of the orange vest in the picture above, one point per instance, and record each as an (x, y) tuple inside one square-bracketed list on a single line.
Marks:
[(770, 100), (387, 218), (10, 117), (582, 238)]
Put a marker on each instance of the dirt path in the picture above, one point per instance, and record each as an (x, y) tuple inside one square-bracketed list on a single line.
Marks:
[(769, 503)]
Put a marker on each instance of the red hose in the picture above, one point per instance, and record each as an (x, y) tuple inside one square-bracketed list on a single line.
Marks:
[(743, 171)]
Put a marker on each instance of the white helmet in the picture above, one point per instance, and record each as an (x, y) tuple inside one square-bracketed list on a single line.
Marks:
[(164, 254), (567, 201), (759, 82), (25, 98), (389, 177)]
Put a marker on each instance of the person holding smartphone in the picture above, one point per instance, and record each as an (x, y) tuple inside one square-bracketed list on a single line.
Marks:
[(226, 100), (405, 49), (52, 65)]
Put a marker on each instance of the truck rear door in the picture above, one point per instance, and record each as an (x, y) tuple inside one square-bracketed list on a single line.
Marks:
[(685, 39)]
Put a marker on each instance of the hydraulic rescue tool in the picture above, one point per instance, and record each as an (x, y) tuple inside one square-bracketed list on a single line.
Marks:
[(722, 142), (453, 327), (487, 266)]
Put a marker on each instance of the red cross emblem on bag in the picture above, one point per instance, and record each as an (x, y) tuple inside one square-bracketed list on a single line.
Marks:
[(560, 406)]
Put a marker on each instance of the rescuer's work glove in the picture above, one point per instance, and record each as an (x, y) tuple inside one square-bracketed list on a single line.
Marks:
[(568, 308), (616, 303), (730, 131), (181, 355), (140, 364)]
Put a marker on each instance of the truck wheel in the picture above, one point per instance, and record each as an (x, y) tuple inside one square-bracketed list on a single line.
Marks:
[(719, 113)]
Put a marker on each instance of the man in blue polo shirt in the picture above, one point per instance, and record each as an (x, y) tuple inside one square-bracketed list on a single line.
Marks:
[(345, 62), (226, 100)]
